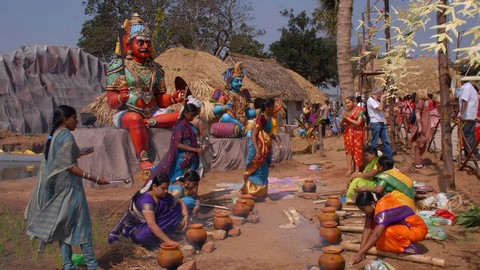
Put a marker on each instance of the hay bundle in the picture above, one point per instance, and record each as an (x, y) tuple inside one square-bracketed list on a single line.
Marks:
[(100, 108), (315, 95)]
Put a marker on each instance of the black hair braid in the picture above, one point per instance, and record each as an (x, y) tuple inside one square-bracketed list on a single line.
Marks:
[(59, 114), (50, 135)]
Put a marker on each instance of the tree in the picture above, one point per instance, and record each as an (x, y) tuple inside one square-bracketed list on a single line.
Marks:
[(344, 24), (301, 50), (325, 16)]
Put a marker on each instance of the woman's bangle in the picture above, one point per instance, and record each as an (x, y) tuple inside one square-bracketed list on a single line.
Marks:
[(83, 175), (98, 178), (88, 177)]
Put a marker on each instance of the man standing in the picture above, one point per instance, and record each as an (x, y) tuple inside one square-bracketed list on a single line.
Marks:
[(467, 111), (375, 107)]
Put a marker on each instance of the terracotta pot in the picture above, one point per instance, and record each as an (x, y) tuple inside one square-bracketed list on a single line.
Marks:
[(331, 259), (196, 235), (329, 233), (309, 186), (241, 208), (170, 256), (249, 200), (328, 214), (334, 201), (222, 221)]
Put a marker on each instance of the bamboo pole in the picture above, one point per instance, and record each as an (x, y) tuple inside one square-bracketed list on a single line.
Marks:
[(354, 229), (351, 209), (399, 256), (214, 206)]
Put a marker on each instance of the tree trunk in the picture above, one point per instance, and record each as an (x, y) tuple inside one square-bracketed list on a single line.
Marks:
[(344, 25), (446, 179)]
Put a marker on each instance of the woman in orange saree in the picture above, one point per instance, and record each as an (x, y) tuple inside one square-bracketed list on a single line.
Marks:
[(353, 135), (389, 224), (259, 155)]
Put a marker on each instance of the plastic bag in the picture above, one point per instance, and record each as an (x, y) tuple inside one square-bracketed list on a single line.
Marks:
[(376, 264), (437, 233)]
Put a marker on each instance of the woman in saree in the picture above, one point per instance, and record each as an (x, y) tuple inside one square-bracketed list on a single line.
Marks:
[(389, 224), (353, 134), (365, 178), (186, 189), (58, 209), (184, 151), (259, 156), (153, 215), (392, 181)]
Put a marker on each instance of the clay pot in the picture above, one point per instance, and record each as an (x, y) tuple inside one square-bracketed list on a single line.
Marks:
[(309, 186), (249, 200), (241, 208), (170, 256), (334, 201), (222, 221), (331, 259), (329, 233), (328, 214), (196, 235)]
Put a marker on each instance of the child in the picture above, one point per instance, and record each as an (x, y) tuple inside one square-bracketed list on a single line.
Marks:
[(186, 188)]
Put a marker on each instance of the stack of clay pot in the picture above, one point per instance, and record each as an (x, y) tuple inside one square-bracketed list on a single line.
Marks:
[(241, 208), (334, 201), (309, 186), (331, 259), (196, 235), (222, 221), (329, 233), (328, 214), (249, 200), (170, 256)]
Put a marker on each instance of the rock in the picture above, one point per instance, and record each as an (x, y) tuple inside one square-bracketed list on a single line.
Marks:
[(237, 221), (208, 247), (188, 265), (219, 234), (234, 232), (188, 250)]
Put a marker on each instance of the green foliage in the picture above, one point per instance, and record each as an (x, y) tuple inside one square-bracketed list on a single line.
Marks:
[(301, 50), (325, 16), (469, 218)]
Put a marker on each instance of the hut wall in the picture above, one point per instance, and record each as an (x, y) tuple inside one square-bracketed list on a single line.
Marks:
[(294, 110)]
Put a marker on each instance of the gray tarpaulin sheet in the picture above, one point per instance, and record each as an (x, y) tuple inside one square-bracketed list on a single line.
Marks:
[(35, 79), (114, 156)]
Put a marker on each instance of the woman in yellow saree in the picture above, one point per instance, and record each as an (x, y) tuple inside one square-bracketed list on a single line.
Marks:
[(389, 225), (393, 182), (259, 155)]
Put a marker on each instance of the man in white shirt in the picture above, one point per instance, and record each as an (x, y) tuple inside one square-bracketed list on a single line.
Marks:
[(376, 107), (467, 111)]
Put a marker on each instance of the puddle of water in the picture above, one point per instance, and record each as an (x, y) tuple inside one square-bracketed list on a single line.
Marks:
[(18, 170)]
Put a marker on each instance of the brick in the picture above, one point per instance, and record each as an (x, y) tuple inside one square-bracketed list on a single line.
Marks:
[(188, 265), (237, 221), (188, 250), (208, 247), (310, 195), (219, 234), (253, 218), (234, 232)]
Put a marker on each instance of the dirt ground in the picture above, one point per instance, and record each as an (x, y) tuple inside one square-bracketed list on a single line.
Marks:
[(260, 246)]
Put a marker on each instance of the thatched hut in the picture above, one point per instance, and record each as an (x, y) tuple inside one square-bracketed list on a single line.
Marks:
[(315, 95), (422, 77), (270, 75)]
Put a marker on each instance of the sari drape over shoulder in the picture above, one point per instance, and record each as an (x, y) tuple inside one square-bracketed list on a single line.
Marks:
[(399, 185), (354, 135), (176, 162), (362, 182), (168, 214), (402, 226), (58, 209), (256, 173)]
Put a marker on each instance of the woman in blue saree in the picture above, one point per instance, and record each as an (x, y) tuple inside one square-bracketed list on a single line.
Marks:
[(58, 209), (153, 215), (259, 156), (184, 151)]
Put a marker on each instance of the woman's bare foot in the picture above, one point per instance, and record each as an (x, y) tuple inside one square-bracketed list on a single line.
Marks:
[(348, 173)]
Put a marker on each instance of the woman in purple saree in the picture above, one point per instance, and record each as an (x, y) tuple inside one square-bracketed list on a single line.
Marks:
[(152, 216)]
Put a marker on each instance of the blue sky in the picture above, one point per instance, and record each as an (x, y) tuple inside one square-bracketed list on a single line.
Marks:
[(24, 22)]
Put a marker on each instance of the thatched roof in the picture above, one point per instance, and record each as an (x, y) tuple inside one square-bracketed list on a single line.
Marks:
[(315, 95), (423, 80), (270, 75)]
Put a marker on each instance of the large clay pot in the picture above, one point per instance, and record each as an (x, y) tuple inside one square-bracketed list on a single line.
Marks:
[(241, 208), (309, 186), (222, 221), (334, 201), (170, 256), (331, 259), (328, 214), (329, 233), (249, 200), (196, 235)]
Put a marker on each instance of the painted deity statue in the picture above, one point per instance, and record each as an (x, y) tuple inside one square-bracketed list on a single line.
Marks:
[(136, 89), (233, 104)]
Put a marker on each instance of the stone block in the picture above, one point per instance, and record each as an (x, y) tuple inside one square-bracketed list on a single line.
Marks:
[(234, 232), (253, 218), (188, 251), (188, 265), (237, 221), (219, 234), (310, 195), (208, 247)]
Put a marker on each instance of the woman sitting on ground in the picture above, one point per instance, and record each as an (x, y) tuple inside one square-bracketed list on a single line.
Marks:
[(152, 216), (392, 181), (186, 188), (389, 224), (365, 178)]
